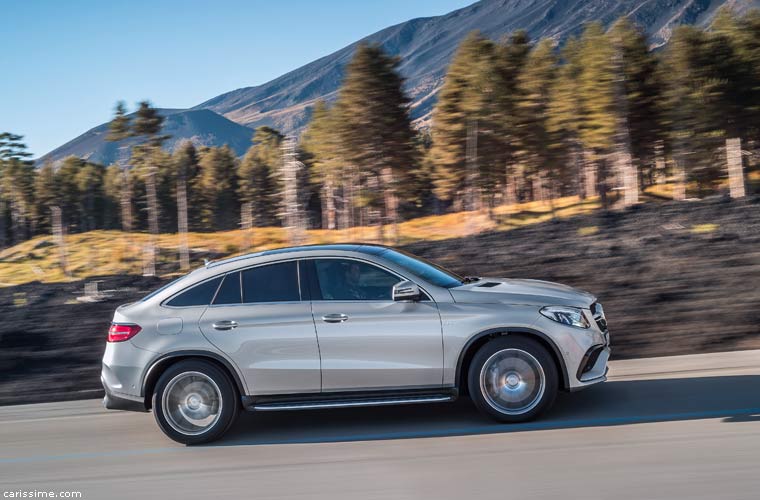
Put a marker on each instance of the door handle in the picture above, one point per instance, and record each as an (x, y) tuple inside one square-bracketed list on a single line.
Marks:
[(225, 325), (334, 318)]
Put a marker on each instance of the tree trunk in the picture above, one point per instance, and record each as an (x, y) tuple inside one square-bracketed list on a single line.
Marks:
[(735, 167), (577, 159), (184, 250), (390, 201), (471, 160), (328, 202), (537, 187), (90, 211), (126, 203), (510, 190), (508, 187), (57, 226), (601, 182), (622, 133), (659, 162), (679, 187), (17, 224), (246, 222), (151, 250), (3, 240), (589, 174), (630, 178), (350, 194)]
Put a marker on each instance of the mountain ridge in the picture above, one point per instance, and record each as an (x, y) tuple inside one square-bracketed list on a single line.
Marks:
[(425, 46), (202, 127)]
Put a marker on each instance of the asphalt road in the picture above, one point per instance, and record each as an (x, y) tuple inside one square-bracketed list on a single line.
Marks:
[(680, 427)]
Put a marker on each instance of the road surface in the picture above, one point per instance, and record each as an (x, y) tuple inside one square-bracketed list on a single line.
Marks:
[(679, 427)]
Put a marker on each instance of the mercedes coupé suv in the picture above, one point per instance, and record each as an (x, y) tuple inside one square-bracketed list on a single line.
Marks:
[(348, 325)]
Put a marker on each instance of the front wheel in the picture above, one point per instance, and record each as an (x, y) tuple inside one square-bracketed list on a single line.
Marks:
[(513, 379), (194, 402)]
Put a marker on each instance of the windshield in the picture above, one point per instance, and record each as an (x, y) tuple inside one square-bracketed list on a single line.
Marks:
[(424, 269)]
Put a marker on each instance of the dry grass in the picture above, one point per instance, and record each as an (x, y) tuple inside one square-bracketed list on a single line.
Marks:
[(98, 253), (704, 228)]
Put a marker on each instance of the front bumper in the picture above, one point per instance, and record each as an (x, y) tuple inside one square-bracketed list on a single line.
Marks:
[(584, 352), (595, 370)]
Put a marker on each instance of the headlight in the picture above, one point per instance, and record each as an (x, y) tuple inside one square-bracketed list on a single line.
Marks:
[(570, 316)]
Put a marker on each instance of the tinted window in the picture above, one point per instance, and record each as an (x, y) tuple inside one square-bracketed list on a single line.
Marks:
[(344, 279), (199, 295), (272, 283), (229, 292)]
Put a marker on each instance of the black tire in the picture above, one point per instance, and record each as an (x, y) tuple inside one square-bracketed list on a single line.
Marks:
[(200, 371), (514, 348)]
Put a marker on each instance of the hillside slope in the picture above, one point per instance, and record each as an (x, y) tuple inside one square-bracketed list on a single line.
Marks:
[(201, 126), (674, 278)]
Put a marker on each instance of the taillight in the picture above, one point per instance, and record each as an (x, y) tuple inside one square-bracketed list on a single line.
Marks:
[(120, 333)]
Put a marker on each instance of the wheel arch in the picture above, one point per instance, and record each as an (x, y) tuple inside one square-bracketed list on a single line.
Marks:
[(161, 364), (480, 339)]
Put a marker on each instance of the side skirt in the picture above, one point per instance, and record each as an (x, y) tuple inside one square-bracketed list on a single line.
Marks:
[(347, 399)]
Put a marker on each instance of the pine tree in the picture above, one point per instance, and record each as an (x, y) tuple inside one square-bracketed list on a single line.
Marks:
[(692, 107), (89, 183), (321, 143), (461, 117), (564, 119), (597, 87), (375, 129), (16, 187), (113, 187), (69, 195), (535, 84), (146, 126), (185, 162), (46, 193), (259, 181), (119, 129), (512, 54), (642, 91), (217, 188)]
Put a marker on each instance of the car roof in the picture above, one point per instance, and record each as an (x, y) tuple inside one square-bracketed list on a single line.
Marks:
[(370, 249)]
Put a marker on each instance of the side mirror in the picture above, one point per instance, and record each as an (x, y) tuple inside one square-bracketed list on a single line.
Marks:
[(406, 291)]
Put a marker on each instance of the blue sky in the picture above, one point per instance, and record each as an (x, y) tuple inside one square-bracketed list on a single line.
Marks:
[(66, 63)]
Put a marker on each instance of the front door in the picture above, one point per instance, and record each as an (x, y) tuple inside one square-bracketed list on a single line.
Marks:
[(367, 340), (259, 320)]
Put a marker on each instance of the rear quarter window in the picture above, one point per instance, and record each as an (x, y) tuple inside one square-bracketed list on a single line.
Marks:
[(199, 295)]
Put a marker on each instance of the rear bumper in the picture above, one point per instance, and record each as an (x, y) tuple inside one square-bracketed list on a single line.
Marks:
[(113, 401)]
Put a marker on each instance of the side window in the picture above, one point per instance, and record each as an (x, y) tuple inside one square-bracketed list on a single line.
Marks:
[(198, 295), (344, 279), (271, 283), (229, 292)]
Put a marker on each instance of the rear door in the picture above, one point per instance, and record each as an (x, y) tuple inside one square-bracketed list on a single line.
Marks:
[(259, 320), (367, 340)]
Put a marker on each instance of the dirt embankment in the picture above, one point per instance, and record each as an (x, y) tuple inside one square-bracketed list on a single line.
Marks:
[(674, 278)]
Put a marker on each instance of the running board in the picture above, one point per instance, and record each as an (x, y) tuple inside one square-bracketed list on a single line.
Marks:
[(352, 403)]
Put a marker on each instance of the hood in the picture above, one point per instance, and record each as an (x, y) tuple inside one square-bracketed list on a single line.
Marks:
[(525, 292)]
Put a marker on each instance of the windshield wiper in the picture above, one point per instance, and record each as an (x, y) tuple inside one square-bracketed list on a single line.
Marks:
[(471, 279)]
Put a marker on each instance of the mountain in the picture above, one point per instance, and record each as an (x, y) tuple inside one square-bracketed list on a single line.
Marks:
[(425, 46), (201, 126)]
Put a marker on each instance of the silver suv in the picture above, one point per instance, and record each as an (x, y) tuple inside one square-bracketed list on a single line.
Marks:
[(331, 326)]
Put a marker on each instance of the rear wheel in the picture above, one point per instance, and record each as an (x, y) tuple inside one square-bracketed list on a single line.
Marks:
[(194, 402), (513, 379)]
